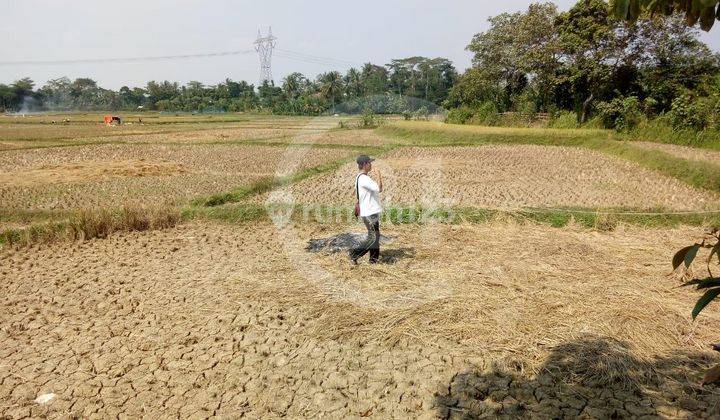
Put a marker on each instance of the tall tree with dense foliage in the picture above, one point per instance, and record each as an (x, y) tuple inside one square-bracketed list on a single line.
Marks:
[(7, 98), (673, 59), (584, 60), (596, 51), (353, 83), (374, 79), (164, 91), (518, 47), (519, 50), (422, 77), (293, 85), (431, 79)]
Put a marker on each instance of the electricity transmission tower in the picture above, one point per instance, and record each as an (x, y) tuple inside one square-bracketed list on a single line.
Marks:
[(264, 47)]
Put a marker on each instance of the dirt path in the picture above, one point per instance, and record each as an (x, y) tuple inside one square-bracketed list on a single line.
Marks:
[(214, 320)]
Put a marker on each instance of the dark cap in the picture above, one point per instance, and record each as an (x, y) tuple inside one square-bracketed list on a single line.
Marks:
[(363, 159)]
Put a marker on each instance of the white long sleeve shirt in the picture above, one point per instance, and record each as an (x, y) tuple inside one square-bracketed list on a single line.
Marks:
[(368, 194)]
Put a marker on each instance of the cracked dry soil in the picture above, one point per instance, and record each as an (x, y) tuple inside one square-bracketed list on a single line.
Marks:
[(167, 324)]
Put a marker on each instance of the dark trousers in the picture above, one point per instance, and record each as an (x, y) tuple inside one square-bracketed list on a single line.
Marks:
[(372, 242)]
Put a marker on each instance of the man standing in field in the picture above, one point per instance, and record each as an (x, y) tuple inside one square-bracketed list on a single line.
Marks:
[(368, 200)]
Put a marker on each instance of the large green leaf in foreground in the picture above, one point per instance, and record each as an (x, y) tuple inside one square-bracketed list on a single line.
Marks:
[(703, 11)]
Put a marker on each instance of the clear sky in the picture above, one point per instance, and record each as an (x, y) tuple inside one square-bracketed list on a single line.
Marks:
[(371, 30)]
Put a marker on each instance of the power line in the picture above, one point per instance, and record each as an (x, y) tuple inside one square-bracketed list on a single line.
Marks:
[(123, 60), (309, 60), (304, 56), (287, 54), (313, 61)]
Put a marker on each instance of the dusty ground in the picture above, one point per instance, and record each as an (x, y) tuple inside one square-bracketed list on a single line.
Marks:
[(710, 156), (25, 132), (113, 175), (509, 177), (217, 320)]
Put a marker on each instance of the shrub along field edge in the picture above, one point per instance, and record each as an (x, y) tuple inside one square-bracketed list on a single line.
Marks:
[(91, 224)]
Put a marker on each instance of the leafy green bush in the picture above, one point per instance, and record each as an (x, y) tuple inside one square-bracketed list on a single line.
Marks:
[(564, 119), (460, 115), (486, 114), (594, 123), (692, 113), (370, 119), (650, 107), (526, 107), (513, 119), (715, 111), (622, 114), (422, 113)]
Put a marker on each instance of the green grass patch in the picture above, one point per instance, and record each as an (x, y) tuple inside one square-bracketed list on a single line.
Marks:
[(661, 131), (236, 213), (434, 134), (601, 219)]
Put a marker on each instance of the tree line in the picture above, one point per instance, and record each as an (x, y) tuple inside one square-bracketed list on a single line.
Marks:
[(428, 79)]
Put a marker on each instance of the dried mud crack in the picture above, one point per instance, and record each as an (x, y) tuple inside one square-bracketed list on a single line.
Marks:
[(208, 320)]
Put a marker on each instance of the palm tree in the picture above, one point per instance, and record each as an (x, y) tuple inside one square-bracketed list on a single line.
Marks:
[(331, 86), (293, 85), (353, 83)]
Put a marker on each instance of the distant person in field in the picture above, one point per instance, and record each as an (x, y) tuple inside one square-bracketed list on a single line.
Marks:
[(368, 208)]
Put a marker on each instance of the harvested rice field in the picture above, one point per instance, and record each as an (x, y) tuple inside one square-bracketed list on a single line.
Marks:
[(116, 175), (33, 131), (510, 177), (143, 277)]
